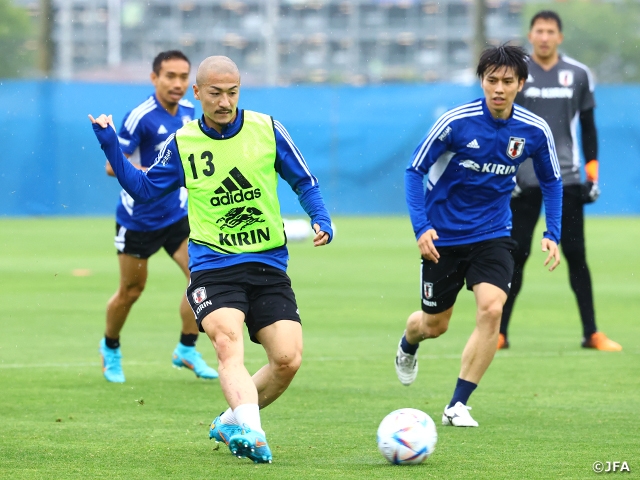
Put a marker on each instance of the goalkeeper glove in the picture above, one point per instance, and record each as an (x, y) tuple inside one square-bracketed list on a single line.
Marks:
[(590, 189), (590, 192)]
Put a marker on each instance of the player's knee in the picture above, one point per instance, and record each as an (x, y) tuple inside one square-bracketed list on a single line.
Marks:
[(227, 345), (432, 326), (287, 365), (131, 293), (491, 311), (435, 330)]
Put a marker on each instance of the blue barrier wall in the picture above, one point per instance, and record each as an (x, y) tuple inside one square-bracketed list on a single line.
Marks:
[(357, 141)]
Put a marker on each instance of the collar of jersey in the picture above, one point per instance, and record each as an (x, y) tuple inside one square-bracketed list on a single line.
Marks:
[(160, 108), (229, 131), (498, 122)]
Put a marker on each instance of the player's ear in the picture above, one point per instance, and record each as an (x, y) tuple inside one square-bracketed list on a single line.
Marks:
[(196, 91), (154, 78), (521, 83)]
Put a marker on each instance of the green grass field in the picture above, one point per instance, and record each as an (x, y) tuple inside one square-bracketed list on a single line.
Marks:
[(546, 407)]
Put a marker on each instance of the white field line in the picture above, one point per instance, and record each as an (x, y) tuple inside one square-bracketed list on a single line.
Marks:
[(446, 356)]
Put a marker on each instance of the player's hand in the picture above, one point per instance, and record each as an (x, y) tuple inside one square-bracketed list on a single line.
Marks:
[(590, 192), (554, 252), (426, 246), (321, 238), (104, 121)]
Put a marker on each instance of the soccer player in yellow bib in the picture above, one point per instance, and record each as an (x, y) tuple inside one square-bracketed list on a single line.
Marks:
[(229, 160)]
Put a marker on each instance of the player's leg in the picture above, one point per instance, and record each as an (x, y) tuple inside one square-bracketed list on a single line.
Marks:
[(420, 326), (185, 353), (282, 341), (439, 285), (574, 250), (181, 257), (489, 273), (133, 278), (479, 351), (477, 354), (525, 211), (272, 321), (245, 438), (224, 327)]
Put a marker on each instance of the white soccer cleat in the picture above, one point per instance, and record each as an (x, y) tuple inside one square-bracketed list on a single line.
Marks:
[(458, 416), (406, 366)]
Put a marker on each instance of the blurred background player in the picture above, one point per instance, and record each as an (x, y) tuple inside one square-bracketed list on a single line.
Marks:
[(462, 222), (143, 228), (560, 90), (230, 160)]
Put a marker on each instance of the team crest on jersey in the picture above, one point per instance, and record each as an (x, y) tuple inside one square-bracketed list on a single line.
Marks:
[(199, 295), (428, 290), (185, 119), (515, 147), (565, 78)]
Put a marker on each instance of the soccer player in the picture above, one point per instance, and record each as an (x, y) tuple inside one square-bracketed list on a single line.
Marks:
[(229, 160), (143, 228), (462, 222), (560, 90)]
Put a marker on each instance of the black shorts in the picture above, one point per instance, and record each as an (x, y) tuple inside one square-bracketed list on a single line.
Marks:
[(144, 244), (489, 261), (262, 292)]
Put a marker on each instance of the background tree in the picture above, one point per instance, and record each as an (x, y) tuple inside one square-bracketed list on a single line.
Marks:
[(16, 53)]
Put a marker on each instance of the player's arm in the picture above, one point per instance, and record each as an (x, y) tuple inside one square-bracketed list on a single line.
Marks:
[(292, 167), (129, 143), (111, 173), (590, 151), (142, 186), (432, 146), (547, 170), (586, 104)]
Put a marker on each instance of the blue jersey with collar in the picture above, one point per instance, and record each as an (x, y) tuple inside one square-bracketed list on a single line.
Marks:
[(167, 175), (143, 132), (470, 160)]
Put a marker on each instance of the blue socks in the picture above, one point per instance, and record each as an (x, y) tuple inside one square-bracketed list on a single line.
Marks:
[(407, 347), (463, 391)]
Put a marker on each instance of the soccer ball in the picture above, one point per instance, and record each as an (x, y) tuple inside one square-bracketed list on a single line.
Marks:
[(407, 436)]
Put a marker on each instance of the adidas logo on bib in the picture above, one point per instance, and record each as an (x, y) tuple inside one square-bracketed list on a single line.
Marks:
[(473, 144), (234, 189), (162, 130)]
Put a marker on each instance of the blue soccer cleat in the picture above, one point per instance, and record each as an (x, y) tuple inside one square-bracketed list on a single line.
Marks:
[(111, 363), (190, 358), (250, 444), (222, 432)]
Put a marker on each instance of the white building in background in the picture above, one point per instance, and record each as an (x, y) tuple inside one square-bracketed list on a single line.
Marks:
[(278, 42)]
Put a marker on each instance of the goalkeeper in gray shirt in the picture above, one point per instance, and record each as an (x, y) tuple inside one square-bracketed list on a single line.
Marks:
[(560, 90)]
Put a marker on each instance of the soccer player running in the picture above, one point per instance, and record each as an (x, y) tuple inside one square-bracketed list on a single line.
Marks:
[(229, 160), (143, 228), (462, 222), (560, 90)]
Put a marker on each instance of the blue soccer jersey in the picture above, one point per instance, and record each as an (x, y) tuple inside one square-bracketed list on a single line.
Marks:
[(470, 160), (143, 132), (167, 175)]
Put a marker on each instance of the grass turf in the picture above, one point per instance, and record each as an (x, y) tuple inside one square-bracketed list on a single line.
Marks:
[(546, 407)]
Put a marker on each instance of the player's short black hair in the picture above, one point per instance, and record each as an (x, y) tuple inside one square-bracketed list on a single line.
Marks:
[(504, 55), (168, 55), (546, 15)]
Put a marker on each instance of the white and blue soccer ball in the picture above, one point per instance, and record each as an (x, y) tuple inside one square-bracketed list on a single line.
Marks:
[(407, 436)]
